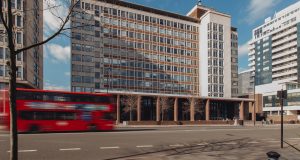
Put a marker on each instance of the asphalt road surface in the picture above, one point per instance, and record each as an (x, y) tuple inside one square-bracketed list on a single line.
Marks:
[(157, 143)]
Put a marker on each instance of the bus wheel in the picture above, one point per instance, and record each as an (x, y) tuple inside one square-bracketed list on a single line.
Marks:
[(92, 127), (34, 129)]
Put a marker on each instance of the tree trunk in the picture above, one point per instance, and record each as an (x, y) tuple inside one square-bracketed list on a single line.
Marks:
[(130, 114), (13, 109)]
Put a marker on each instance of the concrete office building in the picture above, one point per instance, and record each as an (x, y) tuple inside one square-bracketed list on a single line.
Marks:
[(141, 49), (29, 30), (125, 48), (274, 60)]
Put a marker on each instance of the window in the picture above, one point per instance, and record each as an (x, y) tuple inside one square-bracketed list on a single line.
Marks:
[(19, 21), (76, 79), (19, 37), (1, 70), (1, 53)]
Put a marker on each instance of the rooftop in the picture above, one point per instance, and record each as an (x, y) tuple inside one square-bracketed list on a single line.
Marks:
[(151, 10)]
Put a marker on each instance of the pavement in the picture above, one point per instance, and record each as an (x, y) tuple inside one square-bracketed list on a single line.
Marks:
[(184, 143)]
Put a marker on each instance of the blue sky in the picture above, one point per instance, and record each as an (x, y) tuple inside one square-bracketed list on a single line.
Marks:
[(246, 15)]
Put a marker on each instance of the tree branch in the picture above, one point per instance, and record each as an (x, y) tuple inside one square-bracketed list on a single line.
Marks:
[(2, 16), (53, 36)]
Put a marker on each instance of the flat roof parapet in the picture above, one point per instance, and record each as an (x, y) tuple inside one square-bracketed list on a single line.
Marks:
[(151, 10)]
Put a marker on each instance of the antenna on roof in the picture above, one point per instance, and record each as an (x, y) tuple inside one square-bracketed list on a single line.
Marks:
[(199, 2)]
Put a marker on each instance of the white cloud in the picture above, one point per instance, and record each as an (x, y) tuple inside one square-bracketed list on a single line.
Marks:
[(258, 9), (67, 73), (243, 49), (53, 9), (58, 53), (49, 86)]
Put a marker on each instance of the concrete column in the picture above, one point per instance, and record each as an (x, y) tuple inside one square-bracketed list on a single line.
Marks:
[(192, 110), (139, 108), (242, 110), (118, 109), (251, 104), (157, 109), (207, 117), (176, 110)]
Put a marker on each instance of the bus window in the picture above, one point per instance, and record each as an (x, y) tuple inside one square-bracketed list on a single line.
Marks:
[(45, 115)]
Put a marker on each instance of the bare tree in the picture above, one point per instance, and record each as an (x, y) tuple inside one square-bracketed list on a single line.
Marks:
[(130, 104), (189, 101), (165, 106), (186, 108), (7, 17)]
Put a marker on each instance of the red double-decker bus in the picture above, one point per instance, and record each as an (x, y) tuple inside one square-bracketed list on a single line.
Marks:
[(51, 111)]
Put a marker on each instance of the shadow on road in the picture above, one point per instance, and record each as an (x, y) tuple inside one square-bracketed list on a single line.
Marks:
[(118, 130), (225, 145)]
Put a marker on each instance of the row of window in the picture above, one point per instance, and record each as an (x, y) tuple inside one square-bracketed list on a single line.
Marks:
[(215, 70), (216, 88), (146, 46), (216, 79), (162, 58), (4, 54), (4, 71), (133, 83), (82, 79), (215, 62), (148, 28), (145, 37), (133, 16)]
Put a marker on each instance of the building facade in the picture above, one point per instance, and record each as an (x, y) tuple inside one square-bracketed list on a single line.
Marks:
[(245, 87), (125, 47), (234, 63), (29, 30), (274, 57)]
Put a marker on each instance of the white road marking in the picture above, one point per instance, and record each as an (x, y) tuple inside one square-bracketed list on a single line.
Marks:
[(229, 143), (254, 142), (202, 144), (294, 138), (273, 141), (268, 139), (23, 151), (70, 149), (144, 146), (176, 145), (188, 130), (4, 135), (115, 147)]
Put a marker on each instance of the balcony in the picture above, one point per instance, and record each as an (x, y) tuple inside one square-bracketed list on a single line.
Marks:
[(285, 33), (284, 73), (286, 39), (288, 45), (252, 52), (251, 58), (282, 67), (284, 60), (251, 64), (284, 53)]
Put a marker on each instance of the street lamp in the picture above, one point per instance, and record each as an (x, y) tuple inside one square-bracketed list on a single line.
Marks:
[(254, 106)]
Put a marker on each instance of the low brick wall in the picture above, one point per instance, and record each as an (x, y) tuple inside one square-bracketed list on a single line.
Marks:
[(285, 118), (212, 122)]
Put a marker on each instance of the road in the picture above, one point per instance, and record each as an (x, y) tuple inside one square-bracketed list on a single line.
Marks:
[(157, 143)]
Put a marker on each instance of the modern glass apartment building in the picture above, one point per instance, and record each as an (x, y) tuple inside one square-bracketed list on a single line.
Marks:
[(124, 47), (29, 30), (274, 56)]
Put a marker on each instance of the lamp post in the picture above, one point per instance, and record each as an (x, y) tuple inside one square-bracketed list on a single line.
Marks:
[(254, 106)]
